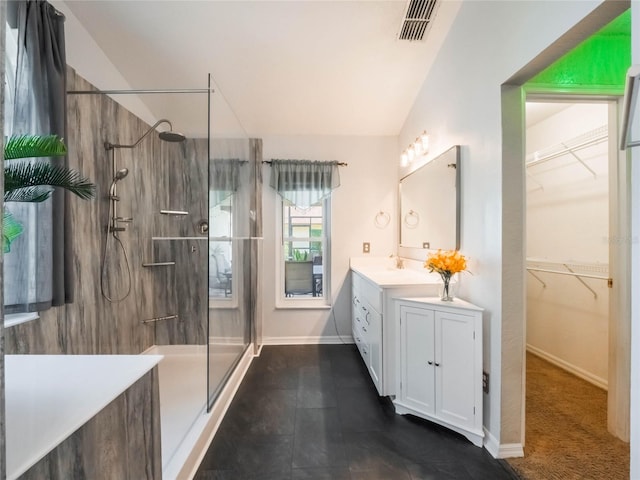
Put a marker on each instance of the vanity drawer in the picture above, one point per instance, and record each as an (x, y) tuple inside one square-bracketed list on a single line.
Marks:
[(370, 293), (363, 347)]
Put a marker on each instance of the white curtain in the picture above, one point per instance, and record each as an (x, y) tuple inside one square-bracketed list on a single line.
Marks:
[(304, 182)]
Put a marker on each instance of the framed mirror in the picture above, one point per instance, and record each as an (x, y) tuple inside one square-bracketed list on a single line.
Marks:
[(429, 199)]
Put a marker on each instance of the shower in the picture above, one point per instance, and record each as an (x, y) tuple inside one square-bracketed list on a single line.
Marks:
[(115, 224)]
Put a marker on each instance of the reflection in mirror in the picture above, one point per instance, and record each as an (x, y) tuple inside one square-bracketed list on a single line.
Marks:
[(430, 206)]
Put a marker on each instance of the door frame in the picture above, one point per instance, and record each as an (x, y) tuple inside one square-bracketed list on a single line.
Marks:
[(619, 348)]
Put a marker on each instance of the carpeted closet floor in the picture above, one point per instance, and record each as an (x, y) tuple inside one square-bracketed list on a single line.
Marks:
[(566, 429)]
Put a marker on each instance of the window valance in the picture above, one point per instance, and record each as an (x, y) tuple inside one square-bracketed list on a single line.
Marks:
[(304, 182), (224, 177)]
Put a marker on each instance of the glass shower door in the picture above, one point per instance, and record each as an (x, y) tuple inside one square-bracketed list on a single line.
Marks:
[(231, 296)]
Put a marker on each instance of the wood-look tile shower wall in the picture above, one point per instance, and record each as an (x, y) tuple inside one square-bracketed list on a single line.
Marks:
[(161, 176)]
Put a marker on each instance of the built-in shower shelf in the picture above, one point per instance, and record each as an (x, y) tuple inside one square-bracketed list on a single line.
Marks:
[(174, 212), (158, 264)]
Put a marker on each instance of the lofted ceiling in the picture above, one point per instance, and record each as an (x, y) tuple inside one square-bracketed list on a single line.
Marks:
[(279, 67)]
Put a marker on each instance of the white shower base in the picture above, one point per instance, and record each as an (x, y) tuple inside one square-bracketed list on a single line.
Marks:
[(183, 396)]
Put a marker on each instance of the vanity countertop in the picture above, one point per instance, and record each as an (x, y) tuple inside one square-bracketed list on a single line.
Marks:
[(48, 397), (388, 276)]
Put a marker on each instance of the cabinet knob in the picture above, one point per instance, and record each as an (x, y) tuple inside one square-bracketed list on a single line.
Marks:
[(437, 364), (364, 329), (430, 362)]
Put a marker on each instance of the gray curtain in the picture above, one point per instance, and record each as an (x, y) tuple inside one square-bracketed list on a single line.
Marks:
[(38, 268), (224, 178), (304, 182)]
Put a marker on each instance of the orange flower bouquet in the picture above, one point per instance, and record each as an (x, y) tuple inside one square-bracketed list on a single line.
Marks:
[(447, 263)]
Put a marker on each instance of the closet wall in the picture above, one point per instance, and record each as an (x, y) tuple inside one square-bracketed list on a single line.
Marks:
[(568, 230)]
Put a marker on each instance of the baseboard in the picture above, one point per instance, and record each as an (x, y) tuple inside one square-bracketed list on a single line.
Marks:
[(329, 339), (505, 450), (577, 371), (208, 424)]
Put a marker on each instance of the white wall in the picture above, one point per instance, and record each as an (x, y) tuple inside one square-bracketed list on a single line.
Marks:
[(568, 221), (460, 103), (368, 185), (91, 63)]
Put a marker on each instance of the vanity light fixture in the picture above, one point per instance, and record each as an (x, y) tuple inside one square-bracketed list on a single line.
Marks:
[(416, 149)]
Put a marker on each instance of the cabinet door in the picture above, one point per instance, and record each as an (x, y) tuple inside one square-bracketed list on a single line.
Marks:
[(455, 358), (372, 324), (417, 358)]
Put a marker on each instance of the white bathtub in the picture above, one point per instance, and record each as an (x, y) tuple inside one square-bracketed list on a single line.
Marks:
[(186, 427)]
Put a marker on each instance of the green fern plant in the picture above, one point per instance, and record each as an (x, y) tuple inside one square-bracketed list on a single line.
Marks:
[(35, 181)]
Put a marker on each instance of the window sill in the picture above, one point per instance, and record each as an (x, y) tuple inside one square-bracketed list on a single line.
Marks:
[(302, 305), (18, 318)]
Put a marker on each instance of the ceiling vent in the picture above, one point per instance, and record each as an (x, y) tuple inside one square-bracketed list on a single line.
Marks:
[(417, 19)]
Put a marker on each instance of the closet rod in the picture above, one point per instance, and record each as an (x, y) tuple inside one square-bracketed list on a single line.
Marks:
[(566, 150), (573, 274), (578, 276)]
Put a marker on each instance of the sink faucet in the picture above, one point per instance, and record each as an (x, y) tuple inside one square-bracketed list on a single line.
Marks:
[(399, 261)]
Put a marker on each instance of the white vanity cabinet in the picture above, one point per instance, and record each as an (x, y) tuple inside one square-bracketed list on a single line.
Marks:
[(372, 320), (439, 360), (366, 325)]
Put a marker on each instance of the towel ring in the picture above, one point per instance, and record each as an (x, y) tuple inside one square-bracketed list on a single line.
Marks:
[(382, 219), (412, 219)]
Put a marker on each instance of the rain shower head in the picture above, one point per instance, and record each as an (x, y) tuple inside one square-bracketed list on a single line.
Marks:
[(168, 136), (171, 136)]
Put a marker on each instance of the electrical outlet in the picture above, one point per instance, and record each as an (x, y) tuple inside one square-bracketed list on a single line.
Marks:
[(366, 247), (426, 245), (485, 382)]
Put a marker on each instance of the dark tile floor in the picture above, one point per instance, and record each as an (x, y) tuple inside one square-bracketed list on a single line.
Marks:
[(311, 412)]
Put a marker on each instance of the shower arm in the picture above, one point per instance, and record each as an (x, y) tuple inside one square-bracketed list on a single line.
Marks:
[(111, 146)]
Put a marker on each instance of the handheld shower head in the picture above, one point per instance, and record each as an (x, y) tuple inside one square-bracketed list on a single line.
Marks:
[(120, 174)]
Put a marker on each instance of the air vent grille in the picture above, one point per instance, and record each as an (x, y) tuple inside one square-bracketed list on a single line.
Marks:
[(417, 19)]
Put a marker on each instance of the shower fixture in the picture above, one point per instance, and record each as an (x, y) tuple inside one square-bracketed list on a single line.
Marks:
[(120, 174), (115, 224), (167, 136)]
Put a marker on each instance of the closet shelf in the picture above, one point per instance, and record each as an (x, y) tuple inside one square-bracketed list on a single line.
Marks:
[(589, 270), (570, 147)]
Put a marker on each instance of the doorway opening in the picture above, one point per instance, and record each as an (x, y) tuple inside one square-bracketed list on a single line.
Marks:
[(570, 217)]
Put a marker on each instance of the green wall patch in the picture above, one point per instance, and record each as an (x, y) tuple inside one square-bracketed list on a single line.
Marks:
[(600, 61)]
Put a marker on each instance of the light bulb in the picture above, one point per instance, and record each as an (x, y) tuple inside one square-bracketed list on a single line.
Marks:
[(411, 153), (424, 140), (417, 146), (404, 159)]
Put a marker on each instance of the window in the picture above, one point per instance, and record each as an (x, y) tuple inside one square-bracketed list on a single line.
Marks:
[(221, 252), (305, 188), (304, 256)]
